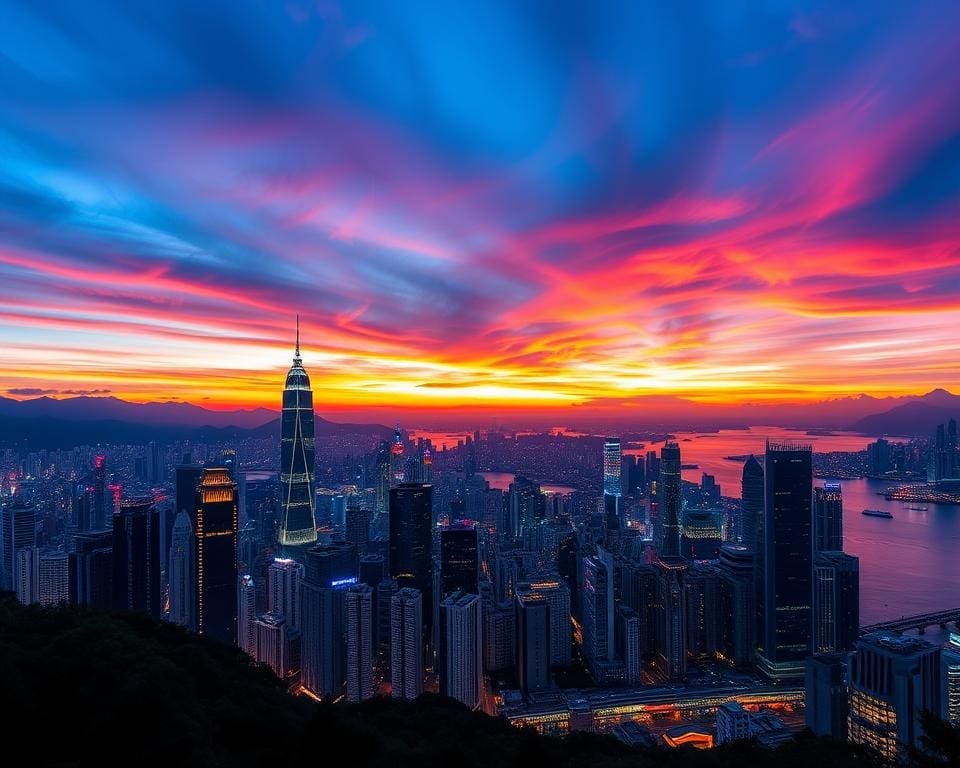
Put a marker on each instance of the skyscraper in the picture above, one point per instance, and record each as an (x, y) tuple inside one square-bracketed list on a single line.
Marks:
[(215, 555), (18, 529), (459, 565), (892, 680), (671, 617), (736, 614), (136, 557), (406, 641), (836, 601), (359, 644), (411, 541), (383, 479), (786, 637), (298, 528), (828, 518), (56, 580), (94, 568), (247, 615), (826, 708), (26, 575), (598, 617), (182, 572), (358, 527), (612, 482), (276, 645), (533, 642), (751, 505), (669, 500), (283, 590), (950, 680), (554, 590), (328, 572), (100, 520), (461, 648)]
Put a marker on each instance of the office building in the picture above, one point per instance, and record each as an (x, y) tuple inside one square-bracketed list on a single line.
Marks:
[(459, 562), (786, 634), (406, 643), (733, 722), (702, 534), (461, 648), (671, 656), (298, 522), (836, 601), (893, 679), (247, 615), (555, 592), (411, 542), (752, 503), (359, 642), (18, 530), (828, 518), (328, 572), (950, 680), (182, 572), (93, 554), (499, 635), (669, 500), (386, 590), (357, 529), (826, 708), (136, 557), (736, 607), (283, 590), (383, 480), (101, 519), (526, 507), (270, 643), (215, 555), (533, 642), (373, 570), (598, 617), (628, 643), (612, 484), (187, 479)]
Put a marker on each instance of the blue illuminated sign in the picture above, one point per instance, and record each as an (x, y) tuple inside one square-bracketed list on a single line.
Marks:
[(343, 582)]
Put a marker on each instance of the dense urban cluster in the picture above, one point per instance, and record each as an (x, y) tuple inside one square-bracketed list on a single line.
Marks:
[(607, 594)]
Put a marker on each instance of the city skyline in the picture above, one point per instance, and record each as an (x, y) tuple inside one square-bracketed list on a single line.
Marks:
[(703, 203)]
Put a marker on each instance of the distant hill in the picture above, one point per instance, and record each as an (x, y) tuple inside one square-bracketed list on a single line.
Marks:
[(87, 408), (128, 690), (58, 433), (918, 419)]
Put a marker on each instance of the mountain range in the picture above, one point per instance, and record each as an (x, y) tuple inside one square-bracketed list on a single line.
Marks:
[(45, 422)]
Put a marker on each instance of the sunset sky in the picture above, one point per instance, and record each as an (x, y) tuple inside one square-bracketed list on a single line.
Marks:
[(484, 203)]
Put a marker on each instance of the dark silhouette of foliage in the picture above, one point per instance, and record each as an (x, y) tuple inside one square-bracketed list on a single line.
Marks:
[(80, 688)]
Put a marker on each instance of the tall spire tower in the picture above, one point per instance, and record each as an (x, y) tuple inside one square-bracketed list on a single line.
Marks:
[(299, 523)]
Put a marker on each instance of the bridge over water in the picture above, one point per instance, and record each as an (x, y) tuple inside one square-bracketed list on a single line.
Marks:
[(919, 622)]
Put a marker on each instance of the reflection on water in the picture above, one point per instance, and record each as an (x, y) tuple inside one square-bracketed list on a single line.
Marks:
[(502, 481)]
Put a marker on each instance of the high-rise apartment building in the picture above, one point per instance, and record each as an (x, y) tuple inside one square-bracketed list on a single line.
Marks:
[(461, 648), (406, 641)]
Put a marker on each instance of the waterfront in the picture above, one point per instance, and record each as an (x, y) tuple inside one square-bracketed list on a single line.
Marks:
[(907, 564)]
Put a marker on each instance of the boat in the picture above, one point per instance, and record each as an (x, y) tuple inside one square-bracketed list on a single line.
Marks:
[(918, 509), (877, 513)]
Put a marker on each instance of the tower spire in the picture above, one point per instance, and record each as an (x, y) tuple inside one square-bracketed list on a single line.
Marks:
[(298, 334)]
